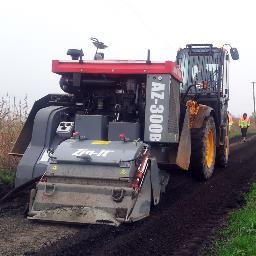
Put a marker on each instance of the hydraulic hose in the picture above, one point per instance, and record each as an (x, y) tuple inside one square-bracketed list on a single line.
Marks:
[(187, 91)]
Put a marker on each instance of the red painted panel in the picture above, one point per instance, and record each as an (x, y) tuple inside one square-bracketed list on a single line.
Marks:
[(117, 67)]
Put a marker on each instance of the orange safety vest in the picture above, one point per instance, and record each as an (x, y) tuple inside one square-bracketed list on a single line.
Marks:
[(244, 123), (230, 119)]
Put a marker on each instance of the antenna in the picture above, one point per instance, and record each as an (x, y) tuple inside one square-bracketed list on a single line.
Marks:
[(148, 57)]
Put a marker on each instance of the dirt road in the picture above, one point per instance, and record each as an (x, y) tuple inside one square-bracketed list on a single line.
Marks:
[(183, 224)]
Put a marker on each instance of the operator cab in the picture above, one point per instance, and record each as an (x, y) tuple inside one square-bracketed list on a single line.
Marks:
[(205, 67)]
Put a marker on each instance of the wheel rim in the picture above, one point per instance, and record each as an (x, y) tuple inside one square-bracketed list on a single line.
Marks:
[(209, 156)]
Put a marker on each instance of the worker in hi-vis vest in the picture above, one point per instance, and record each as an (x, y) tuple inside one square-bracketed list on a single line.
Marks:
[(244, 123), (230, 121)]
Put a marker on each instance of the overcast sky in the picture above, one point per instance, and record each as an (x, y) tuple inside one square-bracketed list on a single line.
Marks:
[(33, 32)]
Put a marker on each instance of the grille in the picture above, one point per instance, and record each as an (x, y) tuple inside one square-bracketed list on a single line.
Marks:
[(174, 107)]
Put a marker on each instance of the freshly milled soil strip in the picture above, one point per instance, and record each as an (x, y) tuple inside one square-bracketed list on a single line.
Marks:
[(185, 220)]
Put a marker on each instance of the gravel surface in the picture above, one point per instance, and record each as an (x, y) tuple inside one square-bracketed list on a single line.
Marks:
[(184, 223), (19, 235)]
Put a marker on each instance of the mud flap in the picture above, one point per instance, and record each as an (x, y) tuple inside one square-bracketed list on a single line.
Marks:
[(184, 149)]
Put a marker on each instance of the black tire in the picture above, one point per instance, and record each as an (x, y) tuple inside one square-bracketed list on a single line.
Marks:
[(203, 150), (223, 152)]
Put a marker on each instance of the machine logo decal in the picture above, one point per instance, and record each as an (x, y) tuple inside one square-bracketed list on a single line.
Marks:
[(156, 111), (84, 151)]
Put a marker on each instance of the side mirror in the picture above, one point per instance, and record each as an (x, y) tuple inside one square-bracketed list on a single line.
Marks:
[(234, 53)]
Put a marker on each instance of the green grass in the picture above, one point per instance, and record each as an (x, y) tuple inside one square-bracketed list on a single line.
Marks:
[(237, 133), (7, 177), (233, 134), (239, 238)]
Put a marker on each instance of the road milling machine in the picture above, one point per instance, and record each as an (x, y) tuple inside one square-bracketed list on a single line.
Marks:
[(99, 151)]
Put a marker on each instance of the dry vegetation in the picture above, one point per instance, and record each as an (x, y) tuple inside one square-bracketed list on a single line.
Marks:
[(13, 114)]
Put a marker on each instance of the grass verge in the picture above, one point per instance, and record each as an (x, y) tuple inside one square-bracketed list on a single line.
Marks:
[(7, 177), (239, 238), (235, 134)]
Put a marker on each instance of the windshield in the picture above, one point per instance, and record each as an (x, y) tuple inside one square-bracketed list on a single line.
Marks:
[(196, 69)]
